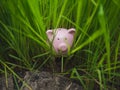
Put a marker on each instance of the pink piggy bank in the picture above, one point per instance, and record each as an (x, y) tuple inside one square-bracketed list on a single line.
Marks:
[(61, 38)]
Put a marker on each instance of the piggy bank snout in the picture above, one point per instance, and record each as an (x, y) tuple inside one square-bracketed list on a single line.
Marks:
[(63, 48)]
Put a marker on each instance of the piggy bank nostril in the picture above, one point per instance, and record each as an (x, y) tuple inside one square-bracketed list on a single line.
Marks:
[(63, 48)]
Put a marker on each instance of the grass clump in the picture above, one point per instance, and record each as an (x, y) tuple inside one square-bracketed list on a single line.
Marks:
[(94, 57)]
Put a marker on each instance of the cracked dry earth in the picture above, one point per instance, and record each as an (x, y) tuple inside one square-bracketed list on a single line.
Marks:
[(41, 81)]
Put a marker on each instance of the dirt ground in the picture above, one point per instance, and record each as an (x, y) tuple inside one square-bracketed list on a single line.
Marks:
[(40, 81)]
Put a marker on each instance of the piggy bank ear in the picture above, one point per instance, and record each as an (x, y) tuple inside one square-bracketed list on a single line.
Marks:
[(71, 31), (49, 34)]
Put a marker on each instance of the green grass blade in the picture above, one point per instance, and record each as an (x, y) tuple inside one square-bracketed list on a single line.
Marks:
[(89, 40)]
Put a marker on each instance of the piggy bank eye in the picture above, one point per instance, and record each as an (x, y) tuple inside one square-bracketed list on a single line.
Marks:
[(65, 38), (58, 39)]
